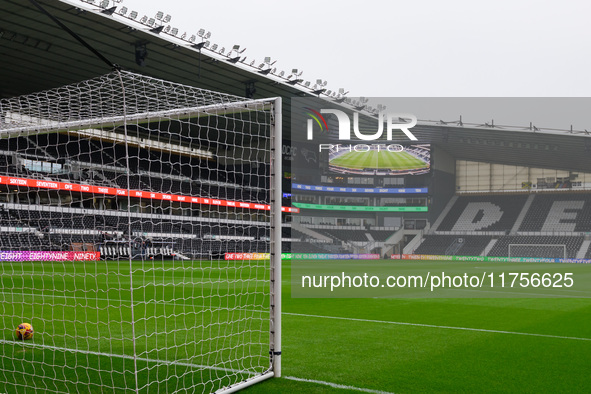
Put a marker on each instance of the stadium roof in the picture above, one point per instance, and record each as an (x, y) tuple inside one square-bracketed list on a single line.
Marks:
[(39, 55), (42, 55)]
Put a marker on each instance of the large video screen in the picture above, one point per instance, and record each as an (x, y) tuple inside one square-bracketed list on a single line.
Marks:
[(380, 159)]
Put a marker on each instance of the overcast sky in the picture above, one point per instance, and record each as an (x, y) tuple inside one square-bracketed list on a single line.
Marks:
[(406, 48)]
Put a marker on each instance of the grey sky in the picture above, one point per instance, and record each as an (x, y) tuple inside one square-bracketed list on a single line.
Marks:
[(407, 48)]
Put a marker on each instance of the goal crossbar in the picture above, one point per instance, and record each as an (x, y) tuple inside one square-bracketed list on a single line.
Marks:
[(39, 125)]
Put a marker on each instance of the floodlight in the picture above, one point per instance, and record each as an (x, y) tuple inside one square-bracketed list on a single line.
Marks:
[(307, 84), (123, 11), (341, 96), (261, 65), (174, 31), (109, 11), (207, 35), (144, 19), (214, 47), (222, 51), (133, 14), (167, 18), (328, 92), (159, 15), (105, 3), (206, 44), (267, 60), (151, 21), (192, 38), (295, 74), (252, 63), (184, 35), (167, 29), (157, 29), (237, 49), (201, 32), (282, 73)]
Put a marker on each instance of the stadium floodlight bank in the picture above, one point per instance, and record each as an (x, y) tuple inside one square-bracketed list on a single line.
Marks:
[(120, 198), (538, 250)]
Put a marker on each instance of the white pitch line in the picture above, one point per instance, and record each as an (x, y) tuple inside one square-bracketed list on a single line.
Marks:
[(182, 364), (436, 326), (123, 356), (522, 294), (337, 386)]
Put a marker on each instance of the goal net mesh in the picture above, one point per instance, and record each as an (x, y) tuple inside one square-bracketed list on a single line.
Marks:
[(120, 199)]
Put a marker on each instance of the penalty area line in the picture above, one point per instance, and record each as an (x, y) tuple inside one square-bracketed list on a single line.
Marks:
[(530, 334), (122, 356), (336, 385)]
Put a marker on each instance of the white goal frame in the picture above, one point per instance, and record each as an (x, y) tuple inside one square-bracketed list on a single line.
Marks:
[(275, 283), (537, 245), (34, 125)]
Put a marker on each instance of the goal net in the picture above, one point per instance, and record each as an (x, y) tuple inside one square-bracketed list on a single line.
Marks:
[(140, 237), (538, 250)]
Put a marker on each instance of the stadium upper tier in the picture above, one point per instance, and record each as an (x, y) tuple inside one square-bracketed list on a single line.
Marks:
[(540, 212), (66, 158), (536, 225), (483, 213), (558, 212)]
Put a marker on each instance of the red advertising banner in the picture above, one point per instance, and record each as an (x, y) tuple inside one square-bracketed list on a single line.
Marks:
[(33, 255), (43, 184)]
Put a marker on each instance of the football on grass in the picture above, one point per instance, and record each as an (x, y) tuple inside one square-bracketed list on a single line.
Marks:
[(24, 331)]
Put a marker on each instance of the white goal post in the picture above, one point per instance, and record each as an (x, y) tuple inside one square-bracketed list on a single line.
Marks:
[(141, 238), (538, 250)]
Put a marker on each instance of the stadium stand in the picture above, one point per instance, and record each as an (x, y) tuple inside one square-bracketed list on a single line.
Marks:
[(380, 235), (551, 219), (572, 243), (483, 213), (345, 235), (464, 245), (564, 212)]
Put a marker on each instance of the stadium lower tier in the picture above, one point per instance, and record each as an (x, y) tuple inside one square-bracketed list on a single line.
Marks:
[(114, 234), (568, 246)]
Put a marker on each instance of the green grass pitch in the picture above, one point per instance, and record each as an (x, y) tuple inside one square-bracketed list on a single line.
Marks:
[(379, 160), (384, 345)]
